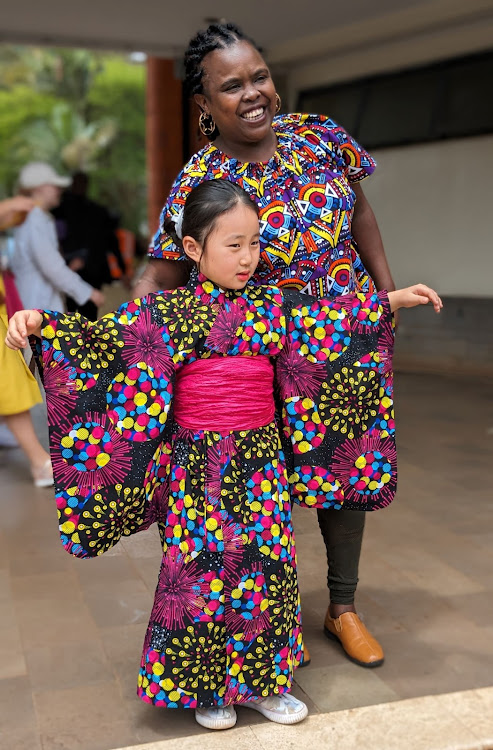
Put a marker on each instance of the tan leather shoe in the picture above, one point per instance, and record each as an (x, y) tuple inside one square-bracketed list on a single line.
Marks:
[(306, 656), (358, 643)]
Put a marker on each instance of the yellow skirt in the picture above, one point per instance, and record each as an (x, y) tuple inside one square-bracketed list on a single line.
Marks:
[(18, 388)]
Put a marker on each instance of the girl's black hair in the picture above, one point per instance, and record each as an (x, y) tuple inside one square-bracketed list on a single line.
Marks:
[(205, 204), (216, 36)]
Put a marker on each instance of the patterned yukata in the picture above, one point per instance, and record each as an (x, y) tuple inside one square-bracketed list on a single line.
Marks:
[(225, 624), (306, 205)]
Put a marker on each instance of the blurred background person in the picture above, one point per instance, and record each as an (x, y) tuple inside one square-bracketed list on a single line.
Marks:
[(42, 276), (87, 234), (19, 391)]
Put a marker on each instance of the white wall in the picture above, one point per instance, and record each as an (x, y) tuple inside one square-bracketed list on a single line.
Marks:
[(434, 205)]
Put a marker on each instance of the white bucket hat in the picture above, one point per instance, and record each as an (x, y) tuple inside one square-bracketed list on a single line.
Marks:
[(38, 173)]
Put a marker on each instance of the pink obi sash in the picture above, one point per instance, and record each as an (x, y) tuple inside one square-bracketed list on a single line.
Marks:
[(225, 394)]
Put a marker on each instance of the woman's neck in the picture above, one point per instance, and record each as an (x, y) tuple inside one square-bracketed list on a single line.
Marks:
[(249, 152)]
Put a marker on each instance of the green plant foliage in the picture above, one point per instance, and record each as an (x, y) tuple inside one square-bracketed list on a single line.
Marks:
[(20, 106), (119, 178), (77, 110)]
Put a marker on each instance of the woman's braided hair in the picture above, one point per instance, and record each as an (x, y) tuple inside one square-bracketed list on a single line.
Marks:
[(216, 36)]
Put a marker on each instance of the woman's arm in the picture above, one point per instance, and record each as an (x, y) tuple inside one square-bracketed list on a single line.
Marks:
[(369, 240), (43, 250), (161, 274)]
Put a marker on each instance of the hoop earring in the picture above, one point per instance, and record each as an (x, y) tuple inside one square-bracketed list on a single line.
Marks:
[(278, 103), (206, 124)]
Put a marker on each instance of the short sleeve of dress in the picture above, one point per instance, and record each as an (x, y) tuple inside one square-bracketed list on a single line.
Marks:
[(163, 245), (354, 160)]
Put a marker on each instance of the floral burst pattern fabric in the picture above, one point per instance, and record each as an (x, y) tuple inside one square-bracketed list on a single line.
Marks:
[(225, 625), (305, 201)]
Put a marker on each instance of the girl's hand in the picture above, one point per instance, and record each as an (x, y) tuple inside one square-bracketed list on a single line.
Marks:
[(419, 294), (21, 325)]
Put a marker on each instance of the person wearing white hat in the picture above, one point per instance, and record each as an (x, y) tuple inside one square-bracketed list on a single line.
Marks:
[(42, 276)]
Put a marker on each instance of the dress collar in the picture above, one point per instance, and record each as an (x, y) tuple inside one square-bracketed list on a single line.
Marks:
[(204, 287), (283, 155)]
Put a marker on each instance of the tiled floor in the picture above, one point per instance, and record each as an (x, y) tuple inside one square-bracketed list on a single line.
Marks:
[(71, 631)]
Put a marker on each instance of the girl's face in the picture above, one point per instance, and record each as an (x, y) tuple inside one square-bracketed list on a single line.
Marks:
[(239, 93), (232, 249), (47, 196)]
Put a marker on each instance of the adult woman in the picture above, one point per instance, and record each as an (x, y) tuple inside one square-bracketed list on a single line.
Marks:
[(302, 172)]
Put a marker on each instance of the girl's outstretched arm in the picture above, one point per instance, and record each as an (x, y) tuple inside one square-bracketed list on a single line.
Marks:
[(412, 296), (22, 324)]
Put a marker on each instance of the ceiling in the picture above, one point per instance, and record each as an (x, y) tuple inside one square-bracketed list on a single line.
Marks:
[(288, 30)]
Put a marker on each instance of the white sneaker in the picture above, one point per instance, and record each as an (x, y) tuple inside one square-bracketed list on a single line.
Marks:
[(43, 476), (282, 709), (216, 717)]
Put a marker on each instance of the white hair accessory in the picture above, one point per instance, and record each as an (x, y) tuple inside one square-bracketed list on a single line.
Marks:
[(179, 225)]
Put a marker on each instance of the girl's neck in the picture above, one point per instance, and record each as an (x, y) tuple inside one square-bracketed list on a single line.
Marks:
[(249, 152)]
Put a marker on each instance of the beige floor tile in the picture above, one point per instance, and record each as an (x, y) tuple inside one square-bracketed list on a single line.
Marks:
[(396, 726), (16, 706), (117, 574), (54, 620), (474, 709), (83, 718), (12, 659), (29, 588), (237, 738), (67, 665), (144, 544), (344, 686), (111, 608), (20, 738)]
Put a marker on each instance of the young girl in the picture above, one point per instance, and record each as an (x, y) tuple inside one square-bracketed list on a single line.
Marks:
[(164, 411)]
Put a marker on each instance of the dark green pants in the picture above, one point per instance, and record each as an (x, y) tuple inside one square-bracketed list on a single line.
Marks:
[(342, 531)]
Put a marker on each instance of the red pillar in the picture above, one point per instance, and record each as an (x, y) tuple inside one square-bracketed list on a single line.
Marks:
[(164, 134)]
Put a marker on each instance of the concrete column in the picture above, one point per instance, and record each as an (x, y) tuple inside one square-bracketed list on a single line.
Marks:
[(164, 133)]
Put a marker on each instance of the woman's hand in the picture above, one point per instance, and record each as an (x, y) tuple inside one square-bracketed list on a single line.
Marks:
[(21, 325), (13, 209), (412, 296), (97, 297)]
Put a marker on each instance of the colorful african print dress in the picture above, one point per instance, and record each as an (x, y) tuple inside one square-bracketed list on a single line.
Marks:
[(225, 625), (306, 204)]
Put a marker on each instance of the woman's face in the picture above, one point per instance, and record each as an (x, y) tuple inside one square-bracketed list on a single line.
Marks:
[(239, 93)]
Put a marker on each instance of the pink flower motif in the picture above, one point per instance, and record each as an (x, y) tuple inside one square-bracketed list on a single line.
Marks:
[(358, 308), (237, 692), (297, 375), (59, 380), (367, 470), (144, 343), (179, 593), (89, 454), (385, 348), (224, 330), (213, 473)]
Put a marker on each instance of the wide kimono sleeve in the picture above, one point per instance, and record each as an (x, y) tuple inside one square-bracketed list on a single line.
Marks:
[(109, 387), (335, 383)]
